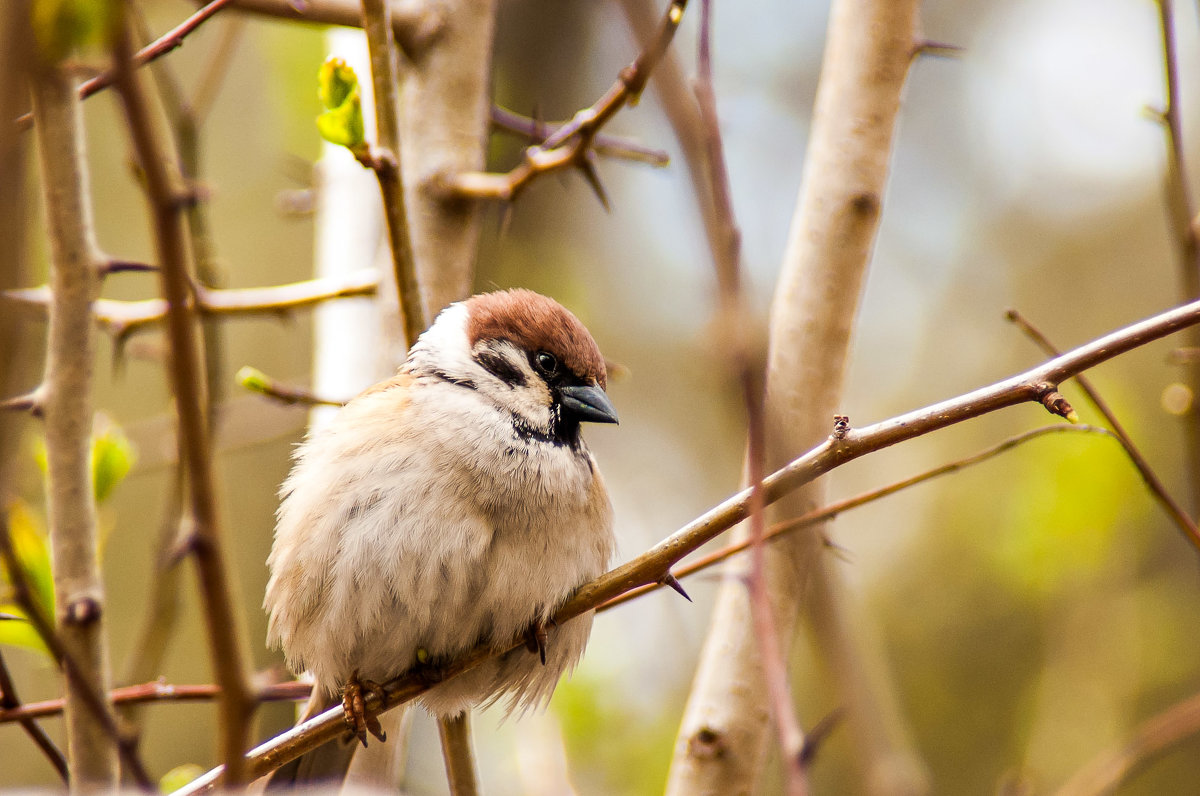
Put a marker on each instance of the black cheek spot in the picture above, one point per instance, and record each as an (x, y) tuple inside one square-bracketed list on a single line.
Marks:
[(501, 368)]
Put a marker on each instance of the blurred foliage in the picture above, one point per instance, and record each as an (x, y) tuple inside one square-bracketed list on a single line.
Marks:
[(179, 776), (112, 457), (63, 26)]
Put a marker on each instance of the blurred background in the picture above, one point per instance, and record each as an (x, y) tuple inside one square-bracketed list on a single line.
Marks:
[(1030, 611)]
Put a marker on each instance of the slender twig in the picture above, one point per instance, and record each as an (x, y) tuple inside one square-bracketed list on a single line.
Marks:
[(1149, 741), (257, 381), (455, 735), (92, 701), (1180, 517), (606, 145), (1181, 214), (122, 318), (653, 564), (8, 702), (385, 81), (571, 144), (158, 691), (818, 516), (156, 49), (727, 260), (186, 376)]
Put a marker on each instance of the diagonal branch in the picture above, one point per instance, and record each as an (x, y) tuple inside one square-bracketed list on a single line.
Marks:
[(652, 565), (10, 702), (571, 144), (1186, 524)]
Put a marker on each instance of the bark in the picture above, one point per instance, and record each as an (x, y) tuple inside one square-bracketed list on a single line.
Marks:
[(74, 280), (723, 738), (444, 103)]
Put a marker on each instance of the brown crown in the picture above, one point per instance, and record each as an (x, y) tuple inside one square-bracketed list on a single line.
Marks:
[(535, 323)]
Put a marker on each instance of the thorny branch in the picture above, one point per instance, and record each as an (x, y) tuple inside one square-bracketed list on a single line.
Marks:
[(123, 318), (817, 516), (186, 377), (1152, 481), (603, 145), (652, 565), (571, 144)]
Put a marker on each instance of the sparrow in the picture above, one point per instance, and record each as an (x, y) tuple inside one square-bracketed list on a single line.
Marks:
[(452, 505)]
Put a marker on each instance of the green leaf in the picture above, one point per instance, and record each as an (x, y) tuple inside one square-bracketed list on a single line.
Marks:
[(336, 81), (16, 631), (113, 456), (33, 554), (342, 121), (179, 776), (343, 124)]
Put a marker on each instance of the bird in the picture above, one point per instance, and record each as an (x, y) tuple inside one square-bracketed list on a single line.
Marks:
[(452, 505)]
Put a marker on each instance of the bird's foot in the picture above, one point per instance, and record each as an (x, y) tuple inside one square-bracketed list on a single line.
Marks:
[(354, 705), (536, 636)]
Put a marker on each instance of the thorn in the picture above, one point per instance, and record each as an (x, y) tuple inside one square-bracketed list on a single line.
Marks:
[(818, 735), (937, 49), (587, 165), (673, 582), (31, 402)]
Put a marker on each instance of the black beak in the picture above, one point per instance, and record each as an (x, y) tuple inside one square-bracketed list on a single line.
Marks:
[(588, 403)]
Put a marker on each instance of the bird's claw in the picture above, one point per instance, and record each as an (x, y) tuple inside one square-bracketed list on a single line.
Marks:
[(535, 638), (354, 706)]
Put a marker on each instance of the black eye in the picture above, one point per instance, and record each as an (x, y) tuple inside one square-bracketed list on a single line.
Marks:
[(545, 362)]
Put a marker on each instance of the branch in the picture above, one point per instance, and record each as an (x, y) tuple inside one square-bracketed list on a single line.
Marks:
[(653, 565), (151, 52), (1185, 523), (734, 323), (386, 162), (1150, 740), (158, 691), (187, 378), (416, 24), (571, 144), (10, 702), (825, 513), (257, 381), (67, 406), (123, 318), (606, 145)]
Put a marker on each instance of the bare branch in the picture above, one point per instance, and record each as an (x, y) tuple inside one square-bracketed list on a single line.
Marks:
[(8, 702), (158, 691), (122, 318), (186, 376), (386, 162), (1185, 523), (416, 24), (569, 145), (606, 145), (650, 566), (1150, 740), (67, 406), (818, 516), (257, 381)]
